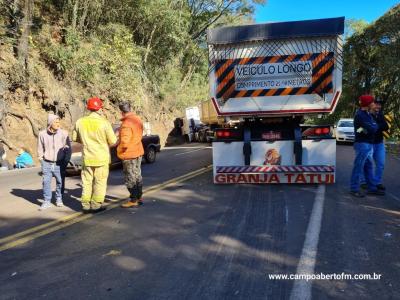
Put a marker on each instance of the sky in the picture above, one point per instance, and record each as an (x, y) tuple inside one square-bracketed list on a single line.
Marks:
[(295, 10)]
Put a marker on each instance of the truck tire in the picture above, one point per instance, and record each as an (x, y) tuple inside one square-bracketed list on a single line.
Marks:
[(150, 155), (203, 137)]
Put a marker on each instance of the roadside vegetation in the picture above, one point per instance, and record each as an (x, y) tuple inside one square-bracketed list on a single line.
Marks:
[(371, 63), (54, 54)]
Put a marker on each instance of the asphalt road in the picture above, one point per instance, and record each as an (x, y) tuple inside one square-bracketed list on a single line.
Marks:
[(195, 240)]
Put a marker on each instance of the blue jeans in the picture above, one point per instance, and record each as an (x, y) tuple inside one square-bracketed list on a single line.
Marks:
[(379, 159), (362, 163), (378, 155), (49, 171)]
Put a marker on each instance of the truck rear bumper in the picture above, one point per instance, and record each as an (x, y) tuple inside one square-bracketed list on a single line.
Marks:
[(273, 162), (274, 174)]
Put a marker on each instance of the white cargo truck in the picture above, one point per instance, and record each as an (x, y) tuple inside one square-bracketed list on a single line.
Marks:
[(265, 79)]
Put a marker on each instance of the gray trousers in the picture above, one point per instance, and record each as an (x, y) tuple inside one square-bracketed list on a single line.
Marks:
[(133, 177)]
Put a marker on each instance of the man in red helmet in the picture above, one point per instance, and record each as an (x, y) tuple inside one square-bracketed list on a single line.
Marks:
[(96, 135), (365, 128)]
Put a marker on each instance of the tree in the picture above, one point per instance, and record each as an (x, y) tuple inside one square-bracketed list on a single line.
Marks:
[(209, 13), (371, 64)]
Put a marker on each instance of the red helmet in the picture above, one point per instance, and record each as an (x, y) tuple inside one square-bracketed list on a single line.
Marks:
[(365, 100), (94, 104)]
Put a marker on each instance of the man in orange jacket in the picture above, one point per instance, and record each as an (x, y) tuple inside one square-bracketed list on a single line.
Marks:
[(130, 151)]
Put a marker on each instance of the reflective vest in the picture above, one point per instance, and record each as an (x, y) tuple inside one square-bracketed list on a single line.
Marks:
[(96, 135)]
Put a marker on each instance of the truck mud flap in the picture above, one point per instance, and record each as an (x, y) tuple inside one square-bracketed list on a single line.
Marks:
[(274, 174), (298, 146), (247, 145)]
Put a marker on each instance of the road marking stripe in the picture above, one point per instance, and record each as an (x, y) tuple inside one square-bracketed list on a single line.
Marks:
[(183, 153), (302, 288), (44, 229), (39, 227), (186, 147)]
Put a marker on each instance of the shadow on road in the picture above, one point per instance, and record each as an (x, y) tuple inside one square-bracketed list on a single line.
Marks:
[(70, 197)]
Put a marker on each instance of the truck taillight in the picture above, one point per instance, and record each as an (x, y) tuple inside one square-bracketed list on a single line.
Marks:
[(223, 133), (317, 131), (326, 130), (227, 134)]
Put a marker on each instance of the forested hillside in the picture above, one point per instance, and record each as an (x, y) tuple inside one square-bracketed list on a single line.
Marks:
[(54, 54)]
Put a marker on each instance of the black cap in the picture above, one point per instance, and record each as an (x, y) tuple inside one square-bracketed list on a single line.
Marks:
[(379, 100), (125, 107)]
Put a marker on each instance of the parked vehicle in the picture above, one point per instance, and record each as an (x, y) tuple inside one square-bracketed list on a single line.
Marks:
[(200, 123), (264, 80), (151, 145), (344, 130)]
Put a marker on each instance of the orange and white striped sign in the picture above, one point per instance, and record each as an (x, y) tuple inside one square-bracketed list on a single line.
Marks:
[(295, 74)]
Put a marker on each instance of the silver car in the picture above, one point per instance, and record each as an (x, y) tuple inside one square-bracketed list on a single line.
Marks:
[(344, 130)]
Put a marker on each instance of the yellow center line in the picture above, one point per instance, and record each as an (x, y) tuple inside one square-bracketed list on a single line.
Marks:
[(25, 236)]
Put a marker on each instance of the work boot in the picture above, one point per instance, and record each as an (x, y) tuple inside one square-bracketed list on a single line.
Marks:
[(45, 205), (381, 187), (131, 203), (97, 210), (86, 208), (357, 194)]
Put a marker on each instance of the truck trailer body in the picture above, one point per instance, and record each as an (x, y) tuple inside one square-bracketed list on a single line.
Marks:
[(265, 79)]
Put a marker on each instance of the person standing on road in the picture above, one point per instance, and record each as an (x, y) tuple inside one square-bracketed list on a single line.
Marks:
[(365, 128), (130, 151), (97, 136), (54, 153), (378, 146)]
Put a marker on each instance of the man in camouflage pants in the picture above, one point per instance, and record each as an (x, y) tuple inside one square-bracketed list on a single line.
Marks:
[(130, 151)]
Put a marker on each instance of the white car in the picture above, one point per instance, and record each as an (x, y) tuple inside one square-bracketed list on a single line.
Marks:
[(344, 130)]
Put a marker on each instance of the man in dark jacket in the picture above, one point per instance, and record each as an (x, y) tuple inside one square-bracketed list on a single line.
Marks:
[(378, 146), (365, 128)]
